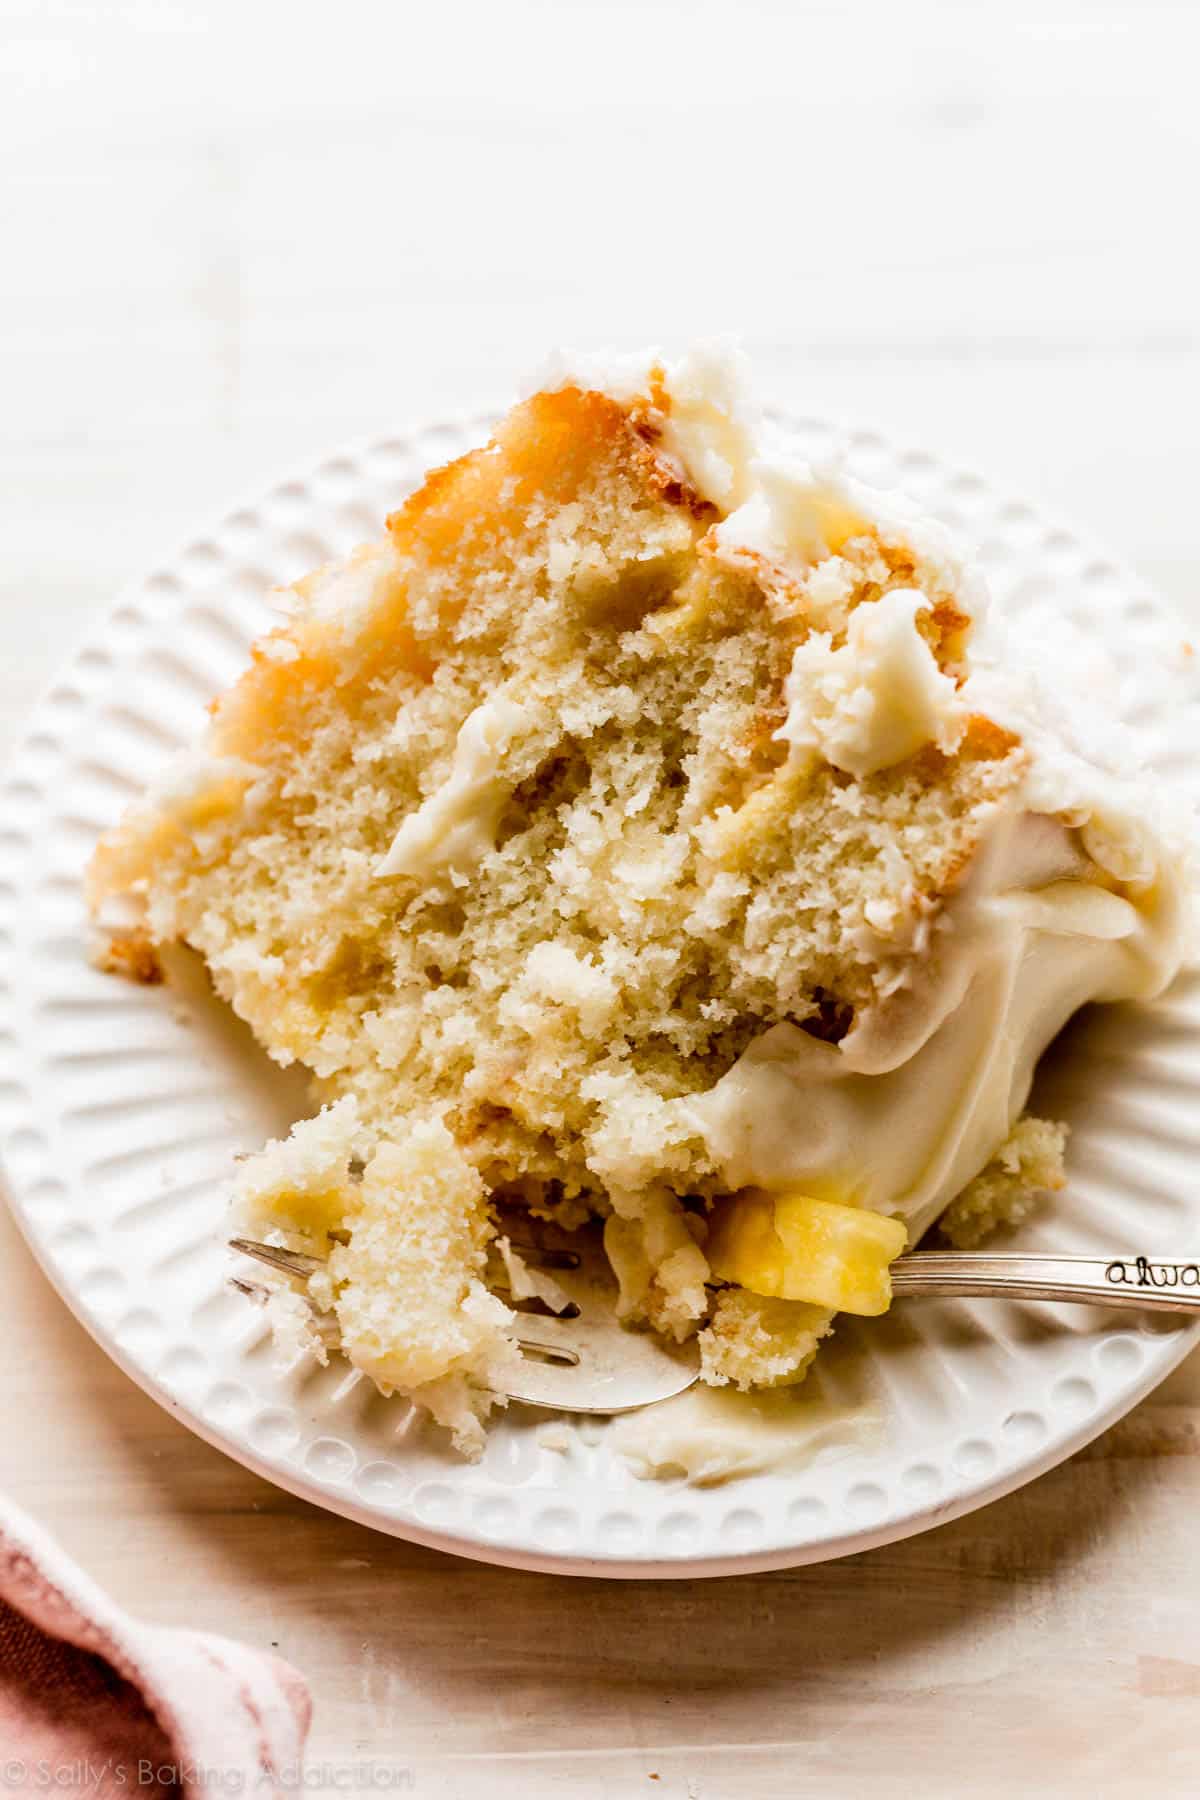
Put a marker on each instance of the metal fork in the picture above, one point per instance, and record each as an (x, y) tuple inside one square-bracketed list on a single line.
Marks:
[(582, 1361), (591, 1363), (1141, 1283)]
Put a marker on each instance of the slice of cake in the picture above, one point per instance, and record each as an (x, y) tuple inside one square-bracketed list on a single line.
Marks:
[(649, 828)]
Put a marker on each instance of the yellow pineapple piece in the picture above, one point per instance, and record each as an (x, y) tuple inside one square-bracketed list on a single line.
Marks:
[(793, 1247)]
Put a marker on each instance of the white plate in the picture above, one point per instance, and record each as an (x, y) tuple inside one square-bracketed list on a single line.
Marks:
[(121, 1110)]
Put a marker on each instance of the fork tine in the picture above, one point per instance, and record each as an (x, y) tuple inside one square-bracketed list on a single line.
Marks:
[(551, 1353), (290, 1262), (253, 1290), (324, 1324), (294, 1262), (542, 1258)]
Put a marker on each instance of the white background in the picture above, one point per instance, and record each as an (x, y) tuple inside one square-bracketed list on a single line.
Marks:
[(236, 235), (233, 238)]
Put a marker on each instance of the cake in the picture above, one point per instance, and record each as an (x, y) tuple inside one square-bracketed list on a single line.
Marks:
[(649, 828)]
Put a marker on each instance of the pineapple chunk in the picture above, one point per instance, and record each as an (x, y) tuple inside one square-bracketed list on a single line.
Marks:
[(792, 1247)]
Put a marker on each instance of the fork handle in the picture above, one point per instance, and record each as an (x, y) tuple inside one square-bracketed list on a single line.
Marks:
[(1156, 1284)]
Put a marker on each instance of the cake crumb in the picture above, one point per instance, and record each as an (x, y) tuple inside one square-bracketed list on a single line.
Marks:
[(131, 955), (756, 1342), (1027, 1165)]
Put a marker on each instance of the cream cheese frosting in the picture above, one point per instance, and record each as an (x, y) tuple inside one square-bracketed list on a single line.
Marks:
[(876, 699), (713, 1435), (773, 504), (201, 792), (712, 427), (1083, 761), (345, 592), (909, 1106), (455, 826), (793, 516), (194, 775)]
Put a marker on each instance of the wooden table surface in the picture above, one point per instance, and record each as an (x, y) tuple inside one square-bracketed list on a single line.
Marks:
[(233, 238)]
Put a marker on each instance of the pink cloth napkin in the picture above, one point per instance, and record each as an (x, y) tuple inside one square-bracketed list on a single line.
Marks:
[(94, 1701)]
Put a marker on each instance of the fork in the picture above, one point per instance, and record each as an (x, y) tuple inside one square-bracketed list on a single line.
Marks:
[(1141, 1283), (582, 1360), (588, 1362)]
